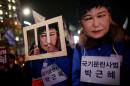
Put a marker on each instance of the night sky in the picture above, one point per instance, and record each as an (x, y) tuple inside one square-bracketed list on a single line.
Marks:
[(53, 8)]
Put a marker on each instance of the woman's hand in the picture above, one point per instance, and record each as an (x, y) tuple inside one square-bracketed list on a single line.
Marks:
[(36, 50)]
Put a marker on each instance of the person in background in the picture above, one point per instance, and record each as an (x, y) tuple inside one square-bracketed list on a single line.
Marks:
[(101, 42), (21, 60), (14, 72), (3, 74)]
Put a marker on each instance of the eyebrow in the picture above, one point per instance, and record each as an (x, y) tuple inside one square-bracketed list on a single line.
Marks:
[(102, 12), (43, 33), (98, 13), (52, 33)]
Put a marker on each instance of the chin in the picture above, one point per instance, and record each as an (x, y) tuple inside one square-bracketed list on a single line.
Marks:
[(97, 37)]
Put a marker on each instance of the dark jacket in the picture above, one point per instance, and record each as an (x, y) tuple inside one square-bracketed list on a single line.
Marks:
[(63, 62)]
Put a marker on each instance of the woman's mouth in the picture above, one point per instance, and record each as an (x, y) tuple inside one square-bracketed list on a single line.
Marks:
[(97, 31)]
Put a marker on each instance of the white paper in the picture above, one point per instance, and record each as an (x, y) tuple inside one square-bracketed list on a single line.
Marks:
[(101, 70)]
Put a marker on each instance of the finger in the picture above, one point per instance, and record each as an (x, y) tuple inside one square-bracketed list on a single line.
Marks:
[(35, 46)]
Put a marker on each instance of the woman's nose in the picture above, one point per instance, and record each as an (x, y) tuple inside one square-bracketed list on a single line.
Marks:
[(95, 22)]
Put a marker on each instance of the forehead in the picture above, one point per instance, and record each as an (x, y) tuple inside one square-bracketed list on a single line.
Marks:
[(97, 10), (52, 30)]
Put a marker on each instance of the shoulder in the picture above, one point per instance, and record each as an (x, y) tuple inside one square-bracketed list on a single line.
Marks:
[(77, 50), (120, 46), (78, 47)]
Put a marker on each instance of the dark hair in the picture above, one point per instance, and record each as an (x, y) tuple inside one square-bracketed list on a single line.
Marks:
[(87, 5), (51, 26)]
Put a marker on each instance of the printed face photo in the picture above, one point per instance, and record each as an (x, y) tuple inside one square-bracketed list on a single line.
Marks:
[(31, 42), (53, 43), (45, 39)]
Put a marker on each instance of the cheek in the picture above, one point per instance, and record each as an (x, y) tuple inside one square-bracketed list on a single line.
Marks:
[(106, 22), (86, 25), (43, 40), (106, 26), (53, 40), (87, 29)]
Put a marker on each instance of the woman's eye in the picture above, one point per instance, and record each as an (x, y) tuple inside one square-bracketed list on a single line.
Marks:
[(52, 34), (101, 15), (43, 35), (87, 18)]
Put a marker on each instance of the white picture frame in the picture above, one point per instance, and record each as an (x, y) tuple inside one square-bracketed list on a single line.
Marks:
[(33, 28)]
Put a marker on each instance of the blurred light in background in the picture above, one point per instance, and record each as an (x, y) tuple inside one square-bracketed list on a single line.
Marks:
[(26, 23), (125, 25), (78, 31), (76, 39), (17, 38), (26, 11)]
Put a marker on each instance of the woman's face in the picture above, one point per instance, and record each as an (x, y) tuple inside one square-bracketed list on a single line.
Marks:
[(53, 38), (96, 22)]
